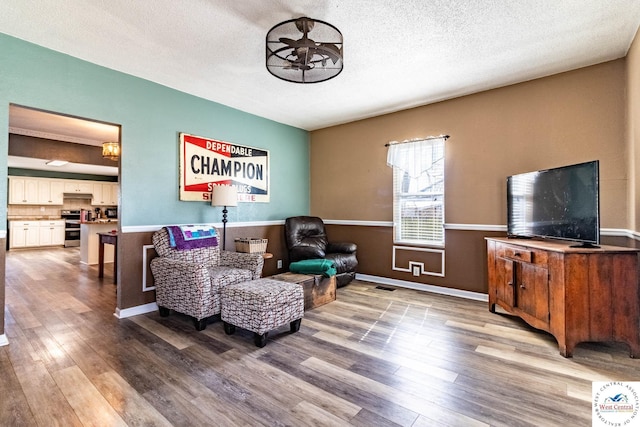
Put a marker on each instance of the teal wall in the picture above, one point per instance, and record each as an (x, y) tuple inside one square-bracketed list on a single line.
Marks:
[(151, 117)]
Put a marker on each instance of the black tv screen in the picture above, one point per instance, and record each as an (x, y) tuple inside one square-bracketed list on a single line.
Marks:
[(558, 203)]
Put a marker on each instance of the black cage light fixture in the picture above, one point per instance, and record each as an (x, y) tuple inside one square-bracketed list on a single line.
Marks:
[(304, 50)]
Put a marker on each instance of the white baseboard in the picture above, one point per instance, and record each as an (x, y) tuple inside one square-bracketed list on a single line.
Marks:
[(3, 340), (134, 311), (422, 287), (152, 306)]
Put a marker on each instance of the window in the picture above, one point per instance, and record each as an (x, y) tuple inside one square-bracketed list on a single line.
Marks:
[(418, 191)]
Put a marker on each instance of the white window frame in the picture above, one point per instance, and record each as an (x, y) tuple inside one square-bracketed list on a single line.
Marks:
[(413, 224)]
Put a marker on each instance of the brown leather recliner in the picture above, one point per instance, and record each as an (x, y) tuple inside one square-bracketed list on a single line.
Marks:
[(306, 238)]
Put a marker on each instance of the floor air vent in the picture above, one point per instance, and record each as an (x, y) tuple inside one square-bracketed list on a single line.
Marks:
[(384, 288)]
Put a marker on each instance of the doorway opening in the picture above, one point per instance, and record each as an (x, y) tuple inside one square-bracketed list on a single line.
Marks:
[(57, 173)]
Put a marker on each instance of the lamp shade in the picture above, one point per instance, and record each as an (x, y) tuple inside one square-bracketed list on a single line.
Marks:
[(224, 195), (110, 150)]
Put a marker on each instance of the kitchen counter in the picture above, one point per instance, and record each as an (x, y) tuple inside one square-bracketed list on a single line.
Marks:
[(101, 221), (90, 242)]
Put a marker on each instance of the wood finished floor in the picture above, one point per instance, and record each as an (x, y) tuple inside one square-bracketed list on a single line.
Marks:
[(372, 358)]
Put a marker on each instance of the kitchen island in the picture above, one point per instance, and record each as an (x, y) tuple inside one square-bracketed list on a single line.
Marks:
[(90, 241)]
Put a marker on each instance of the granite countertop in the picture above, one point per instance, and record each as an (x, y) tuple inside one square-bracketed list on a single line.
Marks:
[(101, 221)]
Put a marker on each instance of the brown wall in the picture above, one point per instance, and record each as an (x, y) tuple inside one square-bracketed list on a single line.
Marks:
[(633, 130), (562, 119), (41, 148), (131, 249)]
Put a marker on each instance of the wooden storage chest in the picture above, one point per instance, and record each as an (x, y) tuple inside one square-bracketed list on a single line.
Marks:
[(318, 290)]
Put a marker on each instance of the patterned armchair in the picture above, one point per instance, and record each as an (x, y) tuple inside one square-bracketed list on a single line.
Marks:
[(189, 281)]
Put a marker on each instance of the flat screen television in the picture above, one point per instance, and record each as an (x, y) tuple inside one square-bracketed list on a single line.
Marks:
[(559, 203)]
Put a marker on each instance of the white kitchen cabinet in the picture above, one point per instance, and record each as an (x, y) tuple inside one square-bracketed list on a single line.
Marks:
[(29, 234), (50, 191), (24, 234), (115, 192), (51, 233), (105, 194), (78, 186), (23, 191)]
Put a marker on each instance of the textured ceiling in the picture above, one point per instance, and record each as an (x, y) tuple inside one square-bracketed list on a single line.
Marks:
[(397, 54)]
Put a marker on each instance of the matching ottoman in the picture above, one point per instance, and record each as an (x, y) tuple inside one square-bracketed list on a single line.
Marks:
[(260, 306)]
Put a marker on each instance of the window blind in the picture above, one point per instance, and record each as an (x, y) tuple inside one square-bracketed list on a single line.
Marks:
[(418, 191)]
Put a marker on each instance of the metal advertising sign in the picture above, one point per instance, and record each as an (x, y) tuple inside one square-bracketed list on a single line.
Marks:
[(205, 163)]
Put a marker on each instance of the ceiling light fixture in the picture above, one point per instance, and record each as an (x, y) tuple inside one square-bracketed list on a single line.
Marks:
[(111, 150), (56, 163), (295, 55)]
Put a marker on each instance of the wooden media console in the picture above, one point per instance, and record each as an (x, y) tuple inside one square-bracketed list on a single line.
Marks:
[(576, 294)]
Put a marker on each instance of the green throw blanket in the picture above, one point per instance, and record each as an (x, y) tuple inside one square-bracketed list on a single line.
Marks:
[(314, 266)]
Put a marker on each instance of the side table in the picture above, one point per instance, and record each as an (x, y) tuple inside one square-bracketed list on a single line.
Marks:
[(318, 290), (110, 239)]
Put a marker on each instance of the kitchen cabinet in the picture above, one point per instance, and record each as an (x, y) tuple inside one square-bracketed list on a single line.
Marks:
[(50, 192), (115, 193), (105, 194), (51, 233), (29, 234), (35, 191), (576, 294), (24, 234), (78, 186), (23, 191)]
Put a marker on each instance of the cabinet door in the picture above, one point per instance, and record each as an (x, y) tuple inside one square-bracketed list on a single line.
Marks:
[(58, 235), (33, 236), (23, 191), (17, 237), (16, 191), (504, 282), (45, 235), (98, 199), (51, 233), (50, 192), (114, 194), (85, 187), (70, 187), (57, 190), (77, 186), (532, 291), (23, 234)]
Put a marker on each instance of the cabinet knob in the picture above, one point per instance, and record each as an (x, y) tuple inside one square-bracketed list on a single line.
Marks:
[(510, 283), (522, 286)]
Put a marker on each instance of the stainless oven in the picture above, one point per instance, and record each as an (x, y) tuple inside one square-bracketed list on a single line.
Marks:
[(71, 227)]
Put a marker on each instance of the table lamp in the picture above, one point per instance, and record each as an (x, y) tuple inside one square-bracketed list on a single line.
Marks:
[(224, 195)]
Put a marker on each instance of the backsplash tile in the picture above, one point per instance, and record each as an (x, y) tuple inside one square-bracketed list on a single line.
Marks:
[(47, 212)]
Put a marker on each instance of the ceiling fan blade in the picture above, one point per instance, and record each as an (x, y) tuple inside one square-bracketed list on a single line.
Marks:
[(289, 42), (330, 50), (303, 42)]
